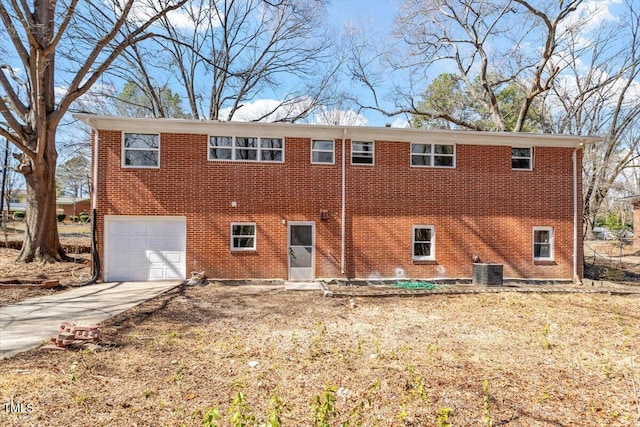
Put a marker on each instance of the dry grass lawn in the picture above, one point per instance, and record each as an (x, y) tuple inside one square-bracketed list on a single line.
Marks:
[(502, 359)]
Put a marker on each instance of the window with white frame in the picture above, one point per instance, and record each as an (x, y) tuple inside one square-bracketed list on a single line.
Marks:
[(432, 155), (271, 149), (423, 242), (246, 149), (543, 243), (243, 236), (141, 150), (220, 148), (522, 158), (322, 152), (362, 153)]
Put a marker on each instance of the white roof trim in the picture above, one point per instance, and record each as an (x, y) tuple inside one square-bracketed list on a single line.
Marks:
[(359, 133)]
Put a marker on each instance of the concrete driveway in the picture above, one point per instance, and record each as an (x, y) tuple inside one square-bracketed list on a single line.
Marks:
[(25, 325)]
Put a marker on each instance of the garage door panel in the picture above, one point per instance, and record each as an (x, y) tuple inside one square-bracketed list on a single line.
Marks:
[(145, 248)]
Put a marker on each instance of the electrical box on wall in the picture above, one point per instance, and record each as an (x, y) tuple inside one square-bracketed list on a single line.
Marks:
[(324, 215)]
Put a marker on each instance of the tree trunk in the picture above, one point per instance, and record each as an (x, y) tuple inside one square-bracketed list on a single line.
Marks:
[(41, 240)]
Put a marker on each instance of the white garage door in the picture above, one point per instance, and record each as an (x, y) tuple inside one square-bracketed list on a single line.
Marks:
[(140, 248)]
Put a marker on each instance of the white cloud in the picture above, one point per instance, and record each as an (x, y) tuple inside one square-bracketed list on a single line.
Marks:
[(193, 15), (266, 110), (400, 122), (339, 117)]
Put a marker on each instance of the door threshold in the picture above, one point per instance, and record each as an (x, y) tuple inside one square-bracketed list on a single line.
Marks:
[(303, 286)]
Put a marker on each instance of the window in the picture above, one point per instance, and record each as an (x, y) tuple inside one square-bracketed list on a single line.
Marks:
[(271, 149), (542, 243), (243, 236), (521, 158), (220, 148), (423, 242), (322, 152), (361, 153), (246, 149), (432, 155), (141, 150)]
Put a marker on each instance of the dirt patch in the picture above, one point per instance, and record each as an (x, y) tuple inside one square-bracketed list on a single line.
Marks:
[(67, 274), (509, 359)]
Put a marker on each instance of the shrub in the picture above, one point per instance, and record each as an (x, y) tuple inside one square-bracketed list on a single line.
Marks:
[(84, 217), (61, 217), (74, 218), (18, 215)]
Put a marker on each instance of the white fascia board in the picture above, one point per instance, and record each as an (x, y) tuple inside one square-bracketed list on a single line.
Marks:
[(354, 133)]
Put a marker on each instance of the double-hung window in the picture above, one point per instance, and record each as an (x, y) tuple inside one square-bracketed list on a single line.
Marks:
[(141, 150), (433, 155), (362, 153), (322, 152), (522, 158), (243, 236), (423, 242), (246, 149), (543, 243)]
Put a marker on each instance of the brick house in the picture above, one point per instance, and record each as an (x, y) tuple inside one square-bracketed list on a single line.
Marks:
[(303, 202)]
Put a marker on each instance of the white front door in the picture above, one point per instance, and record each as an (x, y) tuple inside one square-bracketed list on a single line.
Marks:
[(142, 248), (301, 249)]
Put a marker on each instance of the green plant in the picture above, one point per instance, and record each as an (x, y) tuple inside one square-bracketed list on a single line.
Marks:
[(415, 384), (73, 368), (61, 217), (210, 416), (275, 419), (324, 407), (485, 404), (443, 417), (73, 218), (315, 343), (18, 215), (241, 415), (84, 217)]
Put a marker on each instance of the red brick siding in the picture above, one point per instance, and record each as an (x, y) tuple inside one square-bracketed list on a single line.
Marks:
[(482, 207)]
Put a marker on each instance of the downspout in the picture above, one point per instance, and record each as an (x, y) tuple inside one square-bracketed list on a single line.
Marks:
[(574, 157), (95, 259), (343, 214)]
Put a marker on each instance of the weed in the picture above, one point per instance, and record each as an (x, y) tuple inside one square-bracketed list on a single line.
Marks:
[(147, 394), (415, 384), (324, 407), (82, 399), (241, 415), (274, 419), (403, 415), (73, 368), (544, 397), (443, 417), (606, 367), (315, 343), (171, 339), (210, 416), (546, 332), (485, 404)]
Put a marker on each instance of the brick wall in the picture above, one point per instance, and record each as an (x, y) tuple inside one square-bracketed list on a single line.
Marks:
[(482, 207)]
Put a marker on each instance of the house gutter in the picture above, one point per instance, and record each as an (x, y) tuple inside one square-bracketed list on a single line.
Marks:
[(574, 157), (343, 214), (95, 259)]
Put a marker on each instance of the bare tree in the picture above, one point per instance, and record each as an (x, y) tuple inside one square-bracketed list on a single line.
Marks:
[(597, 94), (54, 52), (482, 43), (222, 54)]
